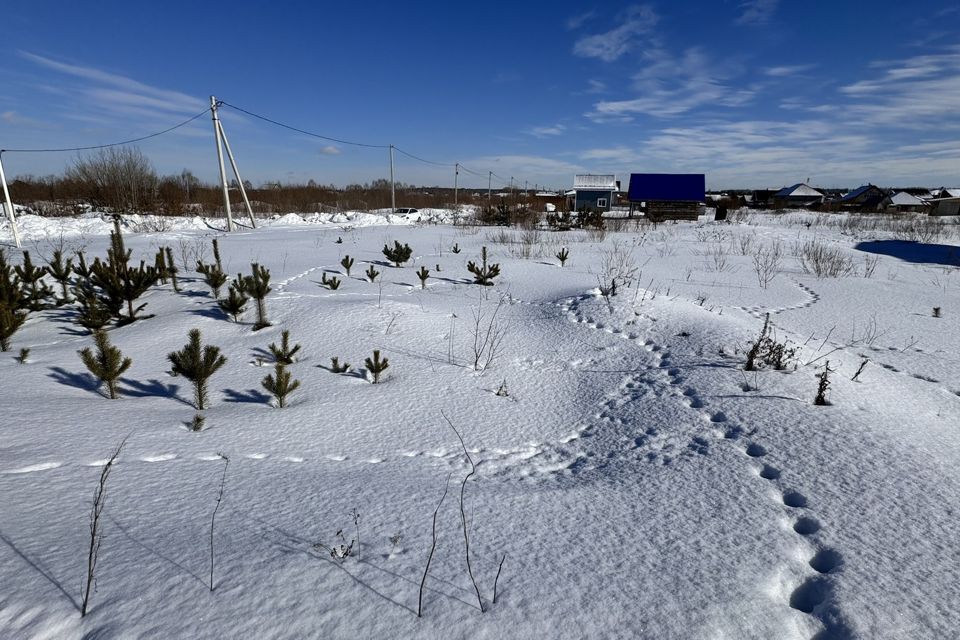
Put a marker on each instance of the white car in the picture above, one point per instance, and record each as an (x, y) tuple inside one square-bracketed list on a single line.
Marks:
[(407, 210)]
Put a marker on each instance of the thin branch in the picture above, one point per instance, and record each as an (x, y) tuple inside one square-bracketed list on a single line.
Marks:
[(433, 546), (213, 518), (463, 515), (96, 536), (497, 579)]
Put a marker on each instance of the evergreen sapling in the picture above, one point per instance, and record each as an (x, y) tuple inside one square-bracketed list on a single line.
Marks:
[(483, 274), (398, 253), (423, 274), (346, 263), (284, 354), (107, 364), (376, 366), (197, 363), (280, 384)]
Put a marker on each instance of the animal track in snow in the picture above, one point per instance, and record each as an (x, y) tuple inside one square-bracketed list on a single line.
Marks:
[(825, 560), (755, 450), (163, 457), (769, 473), (806, 526), (795, 499), (43, 466)]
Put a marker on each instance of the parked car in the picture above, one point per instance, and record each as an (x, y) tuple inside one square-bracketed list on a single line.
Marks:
[(407, 210)]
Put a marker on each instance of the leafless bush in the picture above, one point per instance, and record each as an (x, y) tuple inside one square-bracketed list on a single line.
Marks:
[(716, 256), (191, 252), (823, 261), (767, 263), (618, 268), (870, 265), (96, 535), (744, 243), (151, 224), (120, 178), (489, 332)]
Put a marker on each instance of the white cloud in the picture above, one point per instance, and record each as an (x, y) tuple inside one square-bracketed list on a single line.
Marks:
[(575, 22), (757, 12), (123, 91), (919, 92), (544, 132), (330, 150), (787, 70), (670, 86), (610, 45)]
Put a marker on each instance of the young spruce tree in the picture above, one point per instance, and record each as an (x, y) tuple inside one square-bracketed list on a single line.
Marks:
[(107, 364), (257, 286), (280, 384), (197, 363)]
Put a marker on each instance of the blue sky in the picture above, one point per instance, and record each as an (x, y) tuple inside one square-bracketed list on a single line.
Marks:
[(754, 93)]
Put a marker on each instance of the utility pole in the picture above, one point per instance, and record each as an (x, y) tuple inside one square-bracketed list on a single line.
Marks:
[(393, 193), (223, 172), (9, 205), (236, 172), (456, 175), (489, 182)]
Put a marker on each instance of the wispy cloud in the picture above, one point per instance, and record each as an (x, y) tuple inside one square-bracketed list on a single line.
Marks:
[(14, 118), (575, 22), (117, 92), (918, 92), (330, 150), (610, 45), (545, 132), (787, 70), (670, 86), (757, 12)]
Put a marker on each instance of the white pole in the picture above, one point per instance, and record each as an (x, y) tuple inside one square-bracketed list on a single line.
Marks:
[(393, 193), (9, 205), (223, 171), (236, 172), (456, 174), (489, 182)]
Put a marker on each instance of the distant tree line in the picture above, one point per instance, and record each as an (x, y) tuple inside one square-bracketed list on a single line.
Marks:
[(123, 180)]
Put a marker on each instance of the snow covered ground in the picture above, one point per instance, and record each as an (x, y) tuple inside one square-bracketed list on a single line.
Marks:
[(639, 482)]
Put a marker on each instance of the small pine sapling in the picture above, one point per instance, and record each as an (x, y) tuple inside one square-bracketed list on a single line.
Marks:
[(376, 366), (332, 283), (455, 248), (562, 256), (371, 273), (257, 286), (216, 254), (936, 312), (197, 363), (172, 269), (118, 281), (10, 321), (756, 347), (60, 271), (483, 274), (94, 314), (24, 355), (423, 274), (502, 390), (160, 264), (280, 384), (398, 253), (108, 364), (35, 290), (213, 275), (346, 263), (284, 354), (235, 303), (197, 423), (337, 367), (339, 240), (823, 385)]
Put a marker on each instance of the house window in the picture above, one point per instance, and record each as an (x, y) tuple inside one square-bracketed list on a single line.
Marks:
[(601, 203)]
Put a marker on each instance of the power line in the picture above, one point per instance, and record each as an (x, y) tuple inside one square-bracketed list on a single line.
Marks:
[(112, 144), (410, 155), (306, 133)]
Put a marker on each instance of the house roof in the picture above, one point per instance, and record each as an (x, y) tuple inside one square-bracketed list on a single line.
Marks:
[(592, 181), (798, 190), (667, 187), (856, 193), (904, 199)]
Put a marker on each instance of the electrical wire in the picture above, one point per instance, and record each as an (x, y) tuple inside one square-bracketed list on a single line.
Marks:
[(410, 155), (111, 144), (306, 133)]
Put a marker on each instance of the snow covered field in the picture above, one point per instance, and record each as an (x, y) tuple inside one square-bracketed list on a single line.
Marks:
[(640, 483)]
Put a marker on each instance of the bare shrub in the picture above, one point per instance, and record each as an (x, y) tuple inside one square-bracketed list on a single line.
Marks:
[(120, 178), (767, 263), (489, 332), (823, 261)]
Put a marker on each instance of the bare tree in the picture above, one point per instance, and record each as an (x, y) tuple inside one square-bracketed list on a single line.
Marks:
[(489, 332), (120, 178)]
